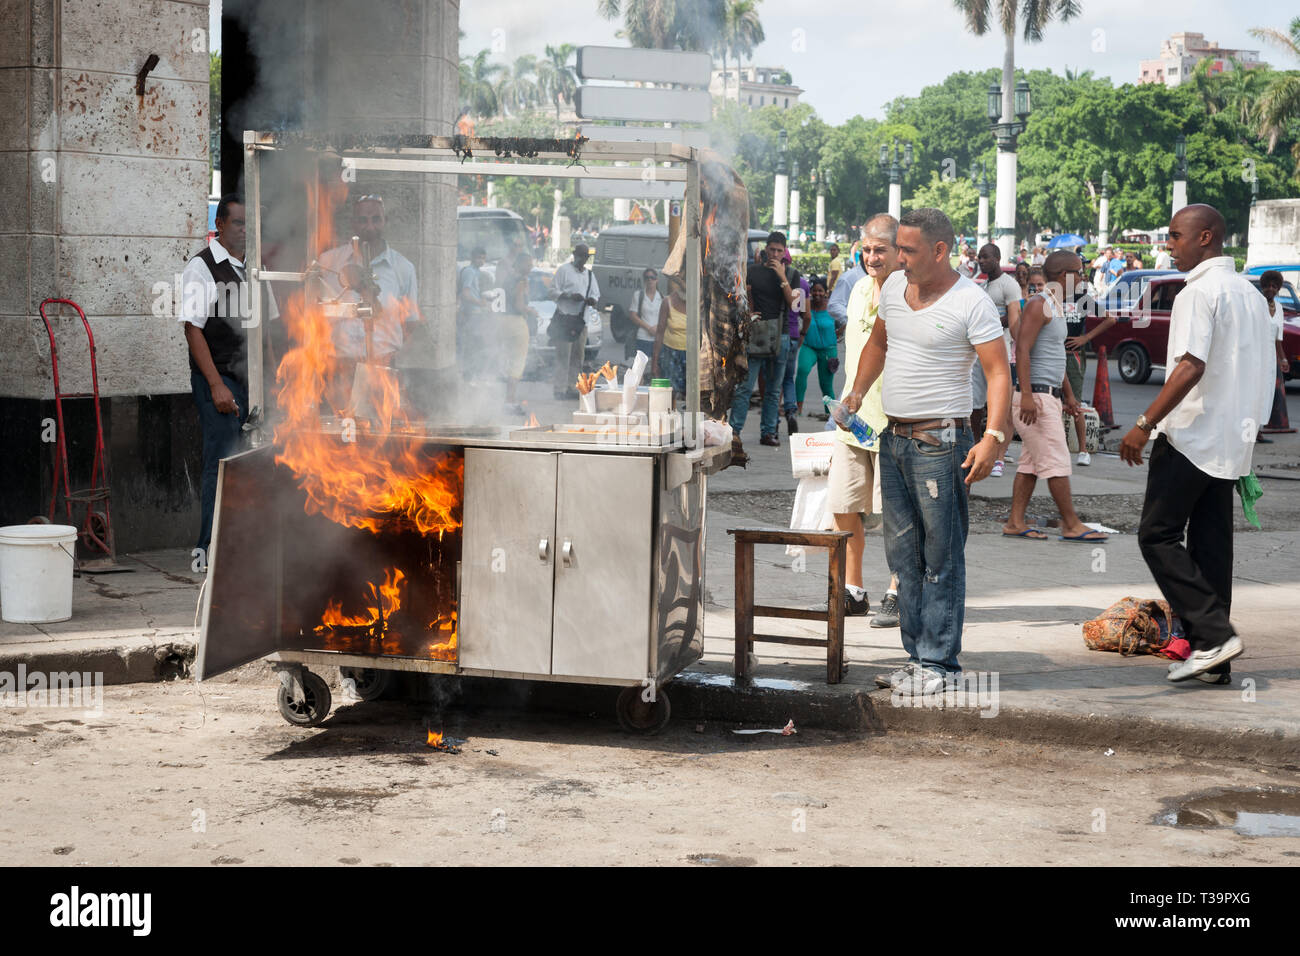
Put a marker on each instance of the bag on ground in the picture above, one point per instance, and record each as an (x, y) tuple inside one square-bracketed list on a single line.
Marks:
[(1135, 626)]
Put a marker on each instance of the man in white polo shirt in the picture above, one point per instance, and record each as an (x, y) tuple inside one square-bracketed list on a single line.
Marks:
[(1217, 393), (931, 327)]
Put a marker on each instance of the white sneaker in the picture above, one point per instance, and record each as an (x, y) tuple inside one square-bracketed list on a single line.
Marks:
[(1201, 661), (923, 682), (1084, 458), (997, 469)]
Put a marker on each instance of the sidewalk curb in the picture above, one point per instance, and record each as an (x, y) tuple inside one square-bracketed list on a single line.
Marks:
[(118, 661)]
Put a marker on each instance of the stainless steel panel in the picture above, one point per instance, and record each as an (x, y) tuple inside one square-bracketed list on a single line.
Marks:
[(604, 526), (508, 561), (239, 615), (679, 577)]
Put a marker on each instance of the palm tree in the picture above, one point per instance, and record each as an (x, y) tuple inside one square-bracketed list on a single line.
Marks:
[(476, 87), (517, 89), (1240, 88), (1034, 14), (556, 79), (742, 31), (1279, 106), (667, 24)]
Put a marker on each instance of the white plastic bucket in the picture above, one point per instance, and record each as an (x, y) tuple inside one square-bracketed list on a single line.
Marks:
[(36, 573)]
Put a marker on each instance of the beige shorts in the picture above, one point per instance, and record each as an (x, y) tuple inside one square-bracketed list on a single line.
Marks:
[(854, 481), (1044, 452)]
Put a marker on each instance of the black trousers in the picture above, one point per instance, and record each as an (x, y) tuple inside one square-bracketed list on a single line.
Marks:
[(1196, 580)]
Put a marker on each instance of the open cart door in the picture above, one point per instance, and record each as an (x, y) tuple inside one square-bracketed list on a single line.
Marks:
[(240, 613)]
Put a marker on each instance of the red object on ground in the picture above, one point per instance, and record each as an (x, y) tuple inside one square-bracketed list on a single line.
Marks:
[(1278, 422), (96, 531), (1101, 391)]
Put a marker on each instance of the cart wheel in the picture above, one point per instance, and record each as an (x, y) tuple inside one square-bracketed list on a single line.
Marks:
[(638, 716), (371, 683), (315, 706)]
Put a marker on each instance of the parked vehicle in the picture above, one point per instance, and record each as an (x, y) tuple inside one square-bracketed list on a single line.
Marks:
[(495, 230), (1140, 337)]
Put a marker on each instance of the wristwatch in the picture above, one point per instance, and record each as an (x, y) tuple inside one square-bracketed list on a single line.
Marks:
[(1000, 436), (1145, 425)]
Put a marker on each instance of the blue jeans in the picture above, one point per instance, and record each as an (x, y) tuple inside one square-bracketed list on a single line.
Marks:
[(789, 401), (220, 440), (773, 369), (926, 518)]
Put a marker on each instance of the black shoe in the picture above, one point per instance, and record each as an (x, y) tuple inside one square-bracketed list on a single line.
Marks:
[(887, 615), (857, 607), (791, 423), (771, 440), (1263, 440)]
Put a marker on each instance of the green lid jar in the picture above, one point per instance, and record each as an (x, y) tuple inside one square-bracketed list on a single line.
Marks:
[(661, 383)]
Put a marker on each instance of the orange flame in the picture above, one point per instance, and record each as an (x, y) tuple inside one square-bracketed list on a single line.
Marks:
[(435, 740), (387, 597)]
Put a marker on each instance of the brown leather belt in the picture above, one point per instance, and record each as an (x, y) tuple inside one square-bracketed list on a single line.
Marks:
[(923, 431)]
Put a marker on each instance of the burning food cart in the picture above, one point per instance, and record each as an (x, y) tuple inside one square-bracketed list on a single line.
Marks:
[(369, 539)]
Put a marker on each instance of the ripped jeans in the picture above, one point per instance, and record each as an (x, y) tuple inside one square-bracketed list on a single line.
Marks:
[(926, 518)]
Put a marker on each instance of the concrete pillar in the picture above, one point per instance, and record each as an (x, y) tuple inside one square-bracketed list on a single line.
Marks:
[(1103, 221), (1006, 205), (821, 218), (780, 196), (982, 229), (1180, 195), (896, 200), (558, 197), (794, 214)]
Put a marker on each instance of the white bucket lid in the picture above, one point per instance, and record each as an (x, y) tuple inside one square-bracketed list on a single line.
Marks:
[(37, 534)]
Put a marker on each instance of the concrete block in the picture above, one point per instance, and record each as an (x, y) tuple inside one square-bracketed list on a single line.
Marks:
[(15, 38), (118, 38), (141, 355), (376, 89), (24, 356), (381, 27), (43, 122), (127, 196), (102, 114), (43, 191), (13, 275), (14, 208), (13, 117), (108, 275), (43, 17)]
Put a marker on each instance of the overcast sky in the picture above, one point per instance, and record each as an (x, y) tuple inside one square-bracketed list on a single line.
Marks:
[(852, 58)]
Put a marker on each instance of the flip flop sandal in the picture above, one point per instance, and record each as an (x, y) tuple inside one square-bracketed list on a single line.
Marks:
[(1033, 534), (1084, 537)]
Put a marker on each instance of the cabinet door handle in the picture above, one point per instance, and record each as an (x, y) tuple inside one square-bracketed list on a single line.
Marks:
[(566, 553), (543, 549)]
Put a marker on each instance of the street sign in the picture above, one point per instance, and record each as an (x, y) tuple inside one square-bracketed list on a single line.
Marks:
[(643, 105), (698, 138), (630, 189), (649, 66)]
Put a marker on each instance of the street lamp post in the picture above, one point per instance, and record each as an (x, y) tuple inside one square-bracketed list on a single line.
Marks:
[(820, 182), (1103, 211), (895, 165), (982, 182), (794, 202), (1180, 173), (781, 190), (1006, 131)]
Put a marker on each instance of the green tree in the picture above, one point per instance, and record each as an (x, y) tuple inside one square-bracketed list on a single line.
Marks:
[(1279, 106), (557, 80), (516, 91), (477, 84), (958, 199), (667, 24), (741, 33)]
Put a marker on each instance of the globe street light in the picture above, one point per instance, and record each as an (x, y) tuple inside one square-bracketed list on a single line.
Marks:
[(794, 202), (1180, 172), (1103, 211), (1006, 131), (895, 167), (819, 181), (781, 189), (982, 182)]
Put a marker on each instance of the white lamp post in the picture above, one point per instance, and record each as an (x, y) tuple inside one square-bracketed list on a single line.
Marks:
[(1103, 211), (781, 189), (794, 203), (1180, 173), (895, 166), (981, 181), (821, 206), (1007, 131)]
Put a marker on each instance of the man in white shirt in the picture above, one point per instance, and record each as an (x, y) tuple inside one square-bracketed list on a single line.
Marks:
[(1216, 395), (574, 288), (1004, 290), (216, 315), (932, 325), (855, 473)]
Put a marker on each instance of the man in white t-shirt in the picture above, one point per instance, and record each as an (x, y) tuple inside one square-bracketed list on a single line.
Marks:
[(1217, 393), (1004, 290), (931, 326)]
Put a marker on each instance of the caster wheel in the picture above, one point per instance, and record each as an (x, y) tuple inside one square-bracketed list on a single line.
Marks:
[(315, 705), (638, 716), (371, 683)]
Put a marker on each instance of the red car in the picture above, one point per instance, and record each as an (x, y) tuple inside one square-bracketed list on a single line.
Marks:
[(1140, 337)]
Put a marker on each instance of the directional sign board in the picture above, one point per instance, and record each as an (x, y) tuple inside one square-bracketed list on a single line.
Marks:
[(647, 66), (630, 189), (698, 138), (644, 105)]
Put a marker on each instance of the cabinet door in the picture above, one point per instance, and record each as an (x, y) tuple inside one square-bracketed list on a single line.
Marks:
[(508, 560), (604, 505)]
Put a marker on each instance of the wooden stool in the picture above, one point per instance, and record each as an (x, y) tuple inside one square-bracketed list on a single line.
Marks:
[(746, 610)]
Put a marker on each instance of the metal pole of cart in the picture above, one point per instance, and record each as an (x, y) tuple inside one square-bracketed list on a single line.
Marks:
[(252, 270), (691, 426)]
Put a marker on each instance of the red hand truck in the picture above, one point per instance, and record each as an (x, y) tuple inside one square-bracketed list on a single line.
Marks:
[(97, 551)]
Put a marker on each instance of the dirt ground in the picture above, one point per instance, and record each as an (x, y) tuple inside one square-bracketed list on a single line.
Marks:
[(178, 773)]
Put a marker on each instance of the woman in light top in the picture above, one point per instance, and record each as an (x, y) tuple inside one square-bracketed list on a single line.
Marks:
[(820, 347), (669, 357)]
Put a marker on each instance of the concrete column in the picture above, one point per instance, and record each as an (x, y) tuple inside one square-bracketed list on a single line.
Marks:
[(1103, 221), (780, 196), (896, 199), (622, 207), (794, 214), (982, 229), (821, 218), (558, 196), (1180, 195), (1006, 205)]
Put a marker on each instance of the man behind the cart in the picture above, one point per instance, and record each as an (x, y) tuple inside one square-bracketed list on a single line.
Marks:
[(215, 310)]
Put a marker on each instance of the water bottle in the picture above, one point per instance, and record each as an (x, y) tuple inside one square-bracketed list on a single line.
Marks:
[(852, 421)]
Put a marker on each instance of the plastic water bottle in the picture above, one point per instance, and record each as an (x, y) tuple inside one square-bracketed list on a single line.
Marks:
[(851, 420)]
